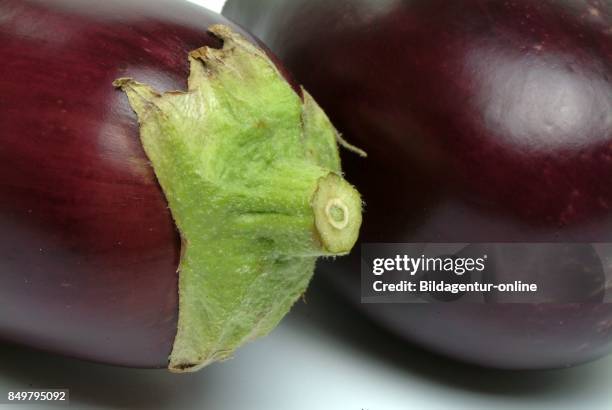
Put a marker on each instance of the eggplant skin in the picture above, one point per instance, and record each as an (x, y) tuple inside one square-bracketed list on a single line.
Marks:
[(484, 121), (88, 248)]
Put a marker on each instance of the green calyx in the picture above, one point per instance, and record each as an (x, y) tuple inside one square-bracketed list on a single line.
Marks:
[(251, 173)]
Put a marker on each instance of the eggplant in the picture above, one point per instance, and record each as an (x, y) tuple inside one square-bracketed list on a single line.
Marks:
[(485, 121), (165, 187)]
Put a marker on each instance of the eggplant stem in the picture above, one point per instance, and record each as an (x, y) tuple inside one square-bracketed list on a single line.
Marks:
[(249, 170)]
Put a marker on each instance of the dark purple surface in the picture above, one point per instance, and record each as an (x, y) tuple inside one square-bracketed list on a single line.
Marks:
[(88, 249), (485, 121)]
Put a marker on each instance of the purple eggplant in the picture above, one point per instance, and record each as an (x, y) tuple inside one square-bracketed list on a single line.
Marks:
[(485, 121), (93, 247)]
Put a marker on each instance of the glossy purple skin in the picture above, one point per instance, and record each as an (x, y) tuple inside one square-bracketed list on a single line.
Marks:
[(485, 121), (88, 248)]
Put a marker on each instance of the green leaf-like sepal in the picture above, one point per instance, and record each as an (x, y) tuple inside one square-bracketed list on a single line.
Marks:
[(251, 173)]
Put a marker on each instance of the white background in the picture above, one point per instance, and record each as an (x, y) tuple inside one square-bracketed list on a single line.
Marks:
[(215, 5), (323, 356)]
